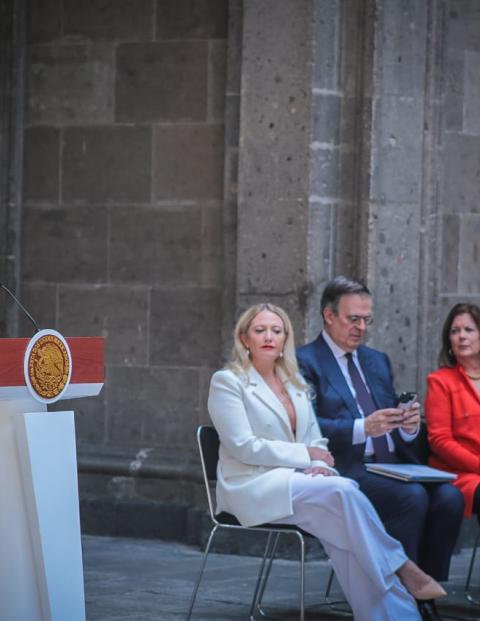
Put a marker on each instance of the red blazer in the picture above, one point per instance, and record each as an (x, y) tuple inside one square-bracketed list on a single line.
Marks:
[(452, 410)]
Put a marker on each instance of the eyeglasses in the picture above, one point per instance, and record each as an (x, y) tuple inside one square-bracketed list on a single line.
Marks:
[(357, 319)]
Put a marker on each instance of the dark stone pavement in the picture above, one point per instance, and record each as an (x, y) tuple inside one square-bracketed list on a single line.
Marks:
[(147, 580)]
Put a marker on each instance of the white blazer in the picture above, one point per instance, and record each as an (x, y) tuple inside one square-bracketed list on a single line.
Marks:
[(258, 450)]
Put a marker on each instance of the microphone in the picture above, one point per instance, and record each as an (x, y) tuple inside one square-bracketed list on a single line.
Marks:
[(20, 305)]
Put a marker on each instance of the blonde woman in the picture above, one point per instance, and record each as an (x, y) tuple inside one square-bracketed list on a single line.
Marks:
[(274, 466)]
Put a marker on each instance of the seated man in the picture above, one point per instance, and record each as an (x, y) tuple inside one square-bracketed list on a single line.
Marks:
[(355, 402)]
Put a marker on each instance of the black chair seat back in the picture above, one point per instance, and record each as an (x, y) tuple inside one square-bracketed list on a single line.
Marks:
[(209, 444)]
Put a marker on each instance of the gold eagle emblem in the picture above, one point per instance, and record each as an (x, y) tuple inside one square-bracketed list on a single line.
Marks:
[(48, 366)]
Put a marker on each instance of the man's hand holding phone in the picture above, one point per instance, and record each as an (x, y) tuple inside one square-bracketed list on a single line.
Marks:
[(383, 421), (407, 402)]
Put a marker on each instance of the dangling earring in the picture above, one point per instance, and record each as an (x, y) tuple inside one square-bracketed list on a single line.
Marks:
[(249, 353), (450, 352)]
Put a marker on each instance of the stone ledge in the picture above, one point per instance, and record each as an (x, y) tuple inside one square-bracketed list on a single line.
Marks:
[(157, 493), (140, 462)]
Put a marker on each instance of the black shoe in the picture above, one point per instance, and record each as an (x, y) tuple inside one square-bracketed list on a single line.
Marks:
[(428, 610)]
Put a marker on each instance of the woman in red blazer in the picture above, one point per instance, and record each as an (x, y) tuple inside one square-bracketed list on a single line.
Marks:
[(452, 405)]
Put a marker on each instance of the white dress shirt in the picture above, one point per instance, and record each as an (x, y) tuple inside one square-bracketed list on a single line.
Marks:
[(359, 435)]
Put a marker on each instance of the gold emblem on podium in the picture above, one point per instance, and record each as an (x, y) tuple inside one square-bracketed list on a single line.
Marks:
[(48, 365)]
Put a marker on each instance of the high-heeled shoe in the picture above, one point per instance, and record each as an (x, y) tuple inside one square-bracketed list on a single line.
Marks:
[(418, 583), (430, 590)]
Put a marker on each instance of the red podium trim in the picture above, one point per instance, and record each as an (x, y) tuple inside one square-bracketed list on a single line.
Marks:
[(87, 360)]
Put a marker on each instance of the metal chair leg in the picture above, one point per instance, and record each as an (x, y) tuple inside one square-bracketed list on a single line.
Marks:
[(329, 586), (260, 585), (200, 574), (335, 604), (469, 597), (265, 577), (256, 603), (302, 577)]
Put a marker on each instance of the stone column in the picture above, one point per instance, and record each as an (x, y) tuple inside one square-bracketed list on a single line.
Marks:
[(273, 181), (392, 203), (340, 137)]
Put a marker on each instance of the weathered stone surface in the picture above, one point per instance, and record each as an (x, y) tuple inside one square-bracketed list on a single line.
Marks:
[(471, 121), (397, 155), (463, 25), (327, 26), (450, 252), (275, 105), (191, 19), (188, 162), (40, 299), (152, 406), (319, 236), (212, 246), (41, 165), (273, 182), (453, 90), (345, 224), (156, 246), (44, 21), (161, 82), (262, 269), (217, 56), (355, 57), (395, 261), (461, 180), (469, 282), (234, 46), (65, 245), (108, 20), (453, 113), (325, 180), (106, 165), (120, 314), (185, 327), (402, 27), (326, 114), (232, 121), (70, 84)]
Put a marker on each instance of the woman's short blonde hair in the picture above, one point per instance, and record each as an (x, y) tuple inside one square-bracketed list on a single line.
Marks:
[(240, 360)]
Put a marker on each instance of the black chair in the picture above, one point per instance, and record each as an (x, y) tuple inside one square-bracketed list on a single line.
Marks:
[(208, 443)]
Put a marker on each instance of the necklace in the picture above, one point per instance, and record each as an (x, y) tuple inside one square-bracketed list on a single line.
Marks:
[(473, 377)]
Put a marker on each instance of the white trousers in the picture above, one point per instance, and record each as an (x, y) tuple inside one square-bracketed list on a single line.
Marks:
[(364, 557)]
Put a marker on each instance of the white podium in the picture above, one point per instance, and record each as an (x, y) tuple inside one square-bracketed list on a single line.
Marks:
[(41, 572)]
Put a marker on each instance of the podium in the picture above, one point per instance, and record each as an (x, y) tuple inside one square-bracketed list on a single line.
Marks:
[(41, 571)]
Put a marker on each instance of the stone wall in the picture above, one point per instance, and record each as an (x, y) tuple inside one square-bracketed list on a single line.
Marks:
[(122, 232), (185, 159), (123, 188)]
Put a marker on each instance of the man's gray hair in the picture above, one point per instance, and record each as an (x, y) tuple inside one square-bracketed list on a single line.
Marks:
[(338, 286)]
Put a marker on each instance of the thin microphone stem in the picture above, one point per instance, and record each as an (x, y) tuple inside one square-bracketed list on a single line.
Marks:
[(20, 305)]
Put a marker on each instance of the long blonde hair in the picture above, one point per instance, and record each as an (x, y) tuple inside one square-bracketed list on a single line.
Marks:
[(240, 361)]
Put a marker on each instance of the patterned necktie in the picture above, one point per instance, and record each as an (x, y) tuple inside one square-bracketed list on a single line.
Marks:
[(364, 398)]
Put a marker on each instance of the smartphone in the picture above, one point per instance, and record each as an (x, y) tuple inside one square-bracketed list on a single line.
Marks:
[(406, 400)]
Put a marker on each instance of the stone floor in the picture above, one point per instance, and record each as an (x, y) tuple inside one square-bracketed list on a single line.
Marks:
[(143, 580)]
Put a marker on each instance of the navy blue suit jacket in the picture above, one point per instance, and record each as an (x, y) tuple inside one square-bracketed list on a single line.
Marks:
[(336, 407)]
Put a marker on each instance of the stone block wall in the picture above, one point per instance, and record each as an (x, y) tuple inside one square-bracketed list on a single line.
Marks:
[(459, 173), (184, 159), (122, 213)]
